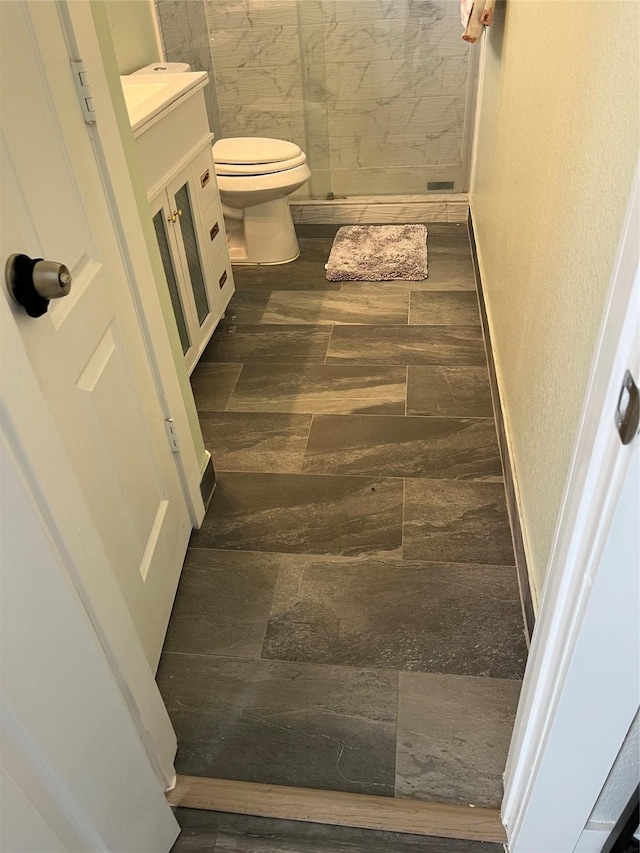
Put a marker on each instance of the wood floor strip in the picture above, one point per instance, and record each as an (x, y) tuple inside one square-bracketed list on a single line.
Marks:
[(338, 808)]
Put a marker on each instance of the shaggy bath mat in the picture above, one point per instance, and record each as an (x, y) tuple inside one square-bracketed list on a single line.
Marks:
[(379, 253)]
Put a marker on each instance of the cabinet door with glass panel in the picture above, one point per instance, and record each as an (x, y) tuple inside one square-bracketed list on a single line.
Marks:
[(199, 286)]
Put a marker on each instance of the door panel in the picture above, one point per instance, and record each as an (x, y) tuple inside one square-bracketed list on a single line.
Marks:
[(88, 350)]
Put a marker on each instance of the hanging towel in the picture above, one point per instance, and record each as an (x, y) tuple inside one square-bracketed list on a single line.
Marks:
[(475, 15)]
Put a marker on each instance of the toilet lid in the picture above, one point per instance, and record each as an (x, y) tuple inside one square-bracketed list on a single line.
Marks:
[(259, 168), (246, 150)]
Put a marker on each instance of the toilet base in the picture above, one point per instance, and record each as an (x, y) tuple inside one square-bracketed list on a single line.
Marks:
[(264, 235)]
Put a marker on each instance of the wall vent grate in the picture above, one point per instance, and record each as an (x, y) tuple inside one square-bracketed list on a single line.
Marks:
[(436, 186)]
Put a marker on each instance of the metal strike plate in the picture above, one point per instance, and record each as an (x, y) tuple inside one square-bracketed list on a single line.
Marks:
[(628, 409)]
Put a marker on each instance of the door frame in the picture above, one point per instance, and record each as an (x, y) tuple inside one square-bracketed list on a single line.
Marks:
[(82, 43), (584, 521), (575, 661)]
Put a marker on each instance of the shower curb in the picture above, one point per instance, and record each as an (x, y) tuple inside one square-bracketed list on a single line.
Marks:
[(378, 210)]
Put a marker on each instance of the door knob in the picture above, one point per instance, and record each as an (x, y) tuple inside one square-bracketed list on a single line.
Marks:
[(33, 282)]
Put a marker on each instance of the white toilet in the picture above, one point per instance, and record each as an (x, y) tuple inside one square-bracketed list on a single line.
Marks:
[(255, 177)]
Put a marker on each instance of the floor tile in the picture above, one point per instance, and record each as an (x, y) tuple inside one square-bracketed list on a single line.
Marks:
[(245, 307), (248, 834), (457, 522), (314, 232), (453, 737), (407, 345), (401, 285), (450, 271), (299, 275), (268, 343), (444, 308), (282, 723), (427, 617), (320, 388), (222, 604), (255, 441), (198, 830), (317, 248), (451, 391), (452, 238), (453, 448), (340, 307), (212, 385), (303, 513)]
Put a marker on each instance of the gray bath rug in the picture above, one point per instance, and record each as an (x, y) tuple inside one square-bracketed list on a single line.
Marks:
[(379, 253)]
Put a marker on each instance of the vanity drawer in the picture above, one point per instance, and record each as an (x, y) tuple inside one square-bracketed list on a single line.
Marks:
[(204, 178), (213, 228), (222, 280)]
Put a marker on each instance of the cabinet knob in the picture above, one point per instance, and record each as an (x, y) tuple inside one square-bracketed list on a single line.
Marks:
[(173, 217)]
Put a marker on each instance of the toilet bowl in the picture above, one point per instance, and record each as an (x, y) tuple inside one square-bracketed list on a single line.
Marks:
[(255, 177)]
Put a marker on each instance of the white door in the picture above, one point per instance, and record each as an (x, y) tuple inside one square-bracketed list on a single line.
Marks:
[(88, 351), (75, 775)]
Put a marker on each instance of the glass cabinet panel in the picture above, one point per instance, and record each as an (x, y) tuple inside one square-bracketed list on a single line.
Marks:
[(189, 238), (167, 262)]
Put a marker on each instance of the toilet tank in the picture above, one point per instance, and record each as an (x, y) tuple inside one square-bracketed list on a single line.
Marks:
[(164, 68)]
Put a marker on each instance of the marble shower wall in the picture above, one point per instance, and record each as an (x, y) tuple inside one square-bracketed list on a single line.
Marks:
[(374, 91), (185, 38), (394, 91)]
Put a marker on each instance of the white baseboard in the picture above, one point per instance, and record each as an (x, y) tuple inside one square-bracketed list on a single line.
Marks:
[(372, 210)]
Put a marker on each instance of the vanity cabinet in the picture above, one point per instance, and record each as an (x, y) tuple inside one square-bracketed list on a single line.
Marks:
[(177, 165)]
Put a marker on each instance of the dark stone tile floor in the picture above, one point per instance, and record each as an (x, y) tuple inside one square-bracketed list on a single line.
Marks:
[(401, 446), (348, 617), (283, 723)]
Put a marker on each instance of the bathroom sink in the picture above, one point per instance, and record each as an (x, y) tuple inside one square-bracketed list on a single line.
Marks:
[(147, 95)]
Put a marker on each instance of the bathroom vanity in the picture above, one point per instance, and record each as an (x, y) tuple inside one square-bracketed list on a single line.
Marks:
[(169, 120)]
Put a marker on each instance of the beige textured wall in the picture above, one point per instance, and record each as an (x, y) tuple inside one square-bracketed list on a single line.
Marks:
[(557, 146), (133, 34)]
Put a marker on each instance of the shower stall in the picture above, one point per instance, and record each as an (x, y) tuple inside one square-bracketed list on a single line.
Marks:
[(380, 94)]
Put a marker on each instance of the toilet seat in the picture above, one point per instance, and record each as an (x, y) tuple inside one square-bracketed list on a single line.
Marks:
[(254, 149), (259, 168), (256, 156)]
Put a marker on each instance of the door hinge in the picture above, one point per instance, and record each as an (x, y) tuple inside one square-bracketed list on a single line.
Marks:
[(87, 101), (628, 409), (172, 435)]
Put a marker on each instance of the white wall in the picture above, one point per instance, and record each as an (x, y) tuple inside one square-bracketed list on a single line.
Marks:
[(557, 144)]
